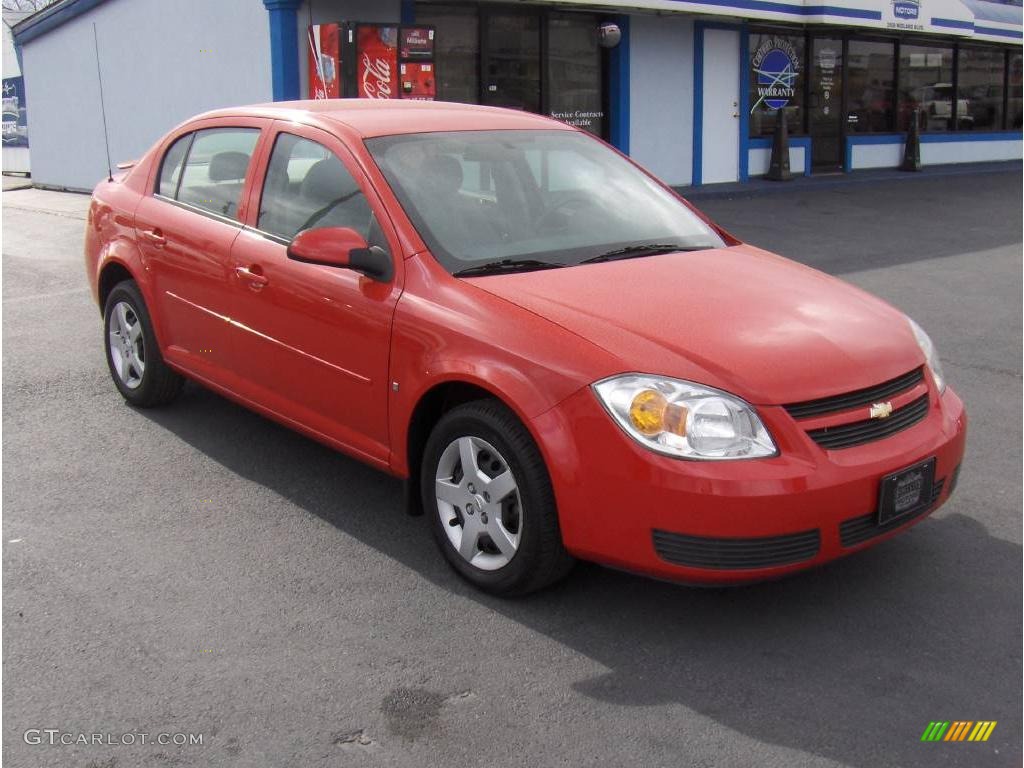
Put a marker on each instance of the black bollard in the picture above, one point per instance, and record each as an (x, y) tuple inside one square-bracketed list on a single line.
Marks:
[(778, 167), (912, 150)]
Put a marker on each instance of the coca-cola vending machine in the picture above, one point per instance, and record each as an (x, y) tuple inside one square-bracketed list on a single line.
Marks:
[(376, 61), (371, 61), (324, 61)]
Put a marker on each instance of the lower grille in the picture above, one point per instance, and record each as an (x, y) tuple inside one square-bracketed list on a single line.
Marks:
[(857, 530), (860, 432), (728, 554)]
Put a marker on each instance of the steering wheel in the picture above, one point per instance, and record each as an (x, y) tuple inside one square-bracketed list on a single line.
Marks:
[(558, 216)]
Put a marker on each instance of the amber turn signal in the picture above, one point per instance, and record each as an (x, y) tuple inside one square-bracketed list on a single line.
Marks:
[(651, 413)]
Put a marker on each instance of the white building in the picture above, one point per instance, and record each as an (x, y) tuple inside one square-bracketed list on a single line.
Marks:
[(692, 91)]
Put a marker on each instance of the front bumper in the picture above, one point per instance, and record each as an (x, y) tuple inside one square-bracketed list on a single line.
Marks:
[(732, 521)]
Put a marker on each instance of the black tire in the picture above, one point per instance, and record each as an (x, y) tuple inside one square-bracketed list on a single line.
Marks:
[(540, 559), (159, 384)]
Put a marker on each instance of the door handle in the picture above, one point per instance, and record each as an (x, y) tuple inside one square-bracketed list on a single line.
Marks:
[(253, 275), (155, 237)]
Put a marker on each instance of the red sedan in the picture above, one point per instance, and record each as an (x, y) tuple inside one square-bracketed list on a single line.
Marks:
[(560, 356)]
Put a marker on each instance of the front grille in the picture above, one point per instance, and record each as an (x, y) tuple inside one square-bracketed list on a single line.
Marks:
[(868, 430), (729, 554), (857, 530), (868, 396)]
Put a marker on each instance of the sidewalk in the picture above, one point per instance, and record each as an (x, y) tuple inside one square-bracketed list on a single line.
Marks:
[(68, 204), (16, 182), (801, 183)]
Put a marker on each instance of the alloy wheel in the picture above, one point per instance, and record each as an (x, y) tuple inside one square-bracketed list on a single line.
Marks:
[(126, 344), (479, 503)]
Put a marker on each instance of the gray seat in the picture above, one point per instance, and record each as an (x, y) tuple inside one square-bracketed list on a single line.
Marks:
[(226, 172), (331, 196)]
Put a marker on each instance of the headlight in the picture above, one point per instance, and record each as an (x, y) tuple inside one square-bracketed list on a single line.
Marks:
[(682, 419), (930, 354)]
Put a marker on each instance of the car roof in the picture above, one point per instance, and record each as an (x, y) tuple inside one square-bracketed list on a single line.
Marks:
[(372, 117)]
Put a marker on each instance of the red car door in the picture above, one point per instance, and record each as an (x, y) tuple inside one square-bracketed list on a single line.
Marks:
[(311, 342), (185, 228)]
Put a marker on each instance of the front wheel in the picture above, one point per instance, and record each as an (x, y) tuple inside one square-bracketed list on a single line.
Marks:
[(136, 365), (488, 494)]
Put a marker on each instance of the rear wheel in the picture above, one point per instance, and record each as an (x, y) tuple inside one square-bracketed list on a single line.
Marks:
[(136, 365), (490, 501)]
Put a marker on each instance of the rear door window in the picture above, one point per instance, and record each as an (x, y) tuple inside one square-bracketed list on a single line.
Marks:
[(214, 172), (170, 169)]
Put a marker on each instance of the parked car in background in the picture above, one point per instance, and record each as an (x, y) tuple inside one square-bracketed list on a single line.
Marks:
[(560, 356), (936, 105)]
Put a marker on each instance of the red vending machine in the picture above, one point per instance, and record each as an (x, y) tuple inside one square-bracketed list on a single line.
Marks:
[(371, 61), (324, 61), (416, 70), (376, 61)]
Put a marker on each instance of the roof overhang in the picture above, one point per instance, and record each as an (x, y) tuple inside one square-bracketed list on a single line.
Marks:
[(50, 17), (975, 19)]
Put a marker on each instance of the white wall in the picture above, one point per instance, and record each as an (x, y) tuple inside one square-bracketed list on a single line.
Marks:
[(759, 161), (876, 155), (970, 151), (325, 11), (936, 153), (162, 60), (661, 95)]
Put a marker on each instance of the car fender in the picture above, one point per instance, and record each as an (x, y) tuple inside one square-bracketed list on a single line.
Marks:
[(444, 331), (125, 253), (502, 381)]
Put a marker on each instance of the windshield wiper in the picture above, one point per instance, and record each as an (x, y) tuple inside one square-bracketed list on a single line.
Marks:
[(506, 265), (647, 249)]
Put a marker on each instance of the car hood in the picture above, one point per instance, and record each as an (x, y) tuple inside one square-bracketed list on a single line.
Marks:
[(763, 327)]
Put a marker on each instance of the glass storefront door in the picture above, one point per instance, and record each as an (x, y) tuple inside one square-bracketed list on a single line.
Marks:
[(825, 103), (510, 59), (531, 58)]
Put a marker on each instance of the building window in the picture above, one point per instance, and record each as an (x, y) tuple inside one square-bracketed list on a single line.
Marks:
[(980, 83), (926, 85), (456, 51), (574, 71), (871, 67), (776, 82), (1013, 111)]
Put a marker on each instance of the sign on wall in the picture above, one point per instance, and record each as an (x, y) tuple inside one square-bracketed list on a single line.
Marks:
[(776, 68), (15, 121)]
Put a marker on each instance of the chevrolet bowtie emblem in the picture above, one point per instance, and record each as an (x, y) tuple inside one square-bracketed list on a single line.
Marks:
[(880, 410)]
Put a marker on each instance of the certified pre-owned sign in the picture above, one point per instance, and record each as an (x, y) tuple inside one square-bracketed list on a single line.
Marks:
[(776, 65)]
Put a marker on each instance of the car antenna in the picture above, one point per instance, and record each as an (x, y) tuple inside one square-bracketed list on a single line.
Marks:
[(103, 109)]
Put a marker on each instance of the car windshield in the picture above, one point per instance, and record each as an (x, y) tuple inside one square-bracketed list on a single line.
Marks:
[(531, 199)]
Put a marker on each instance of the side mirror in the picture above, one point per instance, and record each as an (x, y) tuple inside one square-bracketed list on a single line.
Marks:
[(341, 247)]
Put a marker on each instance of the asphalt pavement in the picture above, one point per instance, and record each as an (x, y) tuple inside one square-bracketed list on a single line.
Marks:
[(200, 570)]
